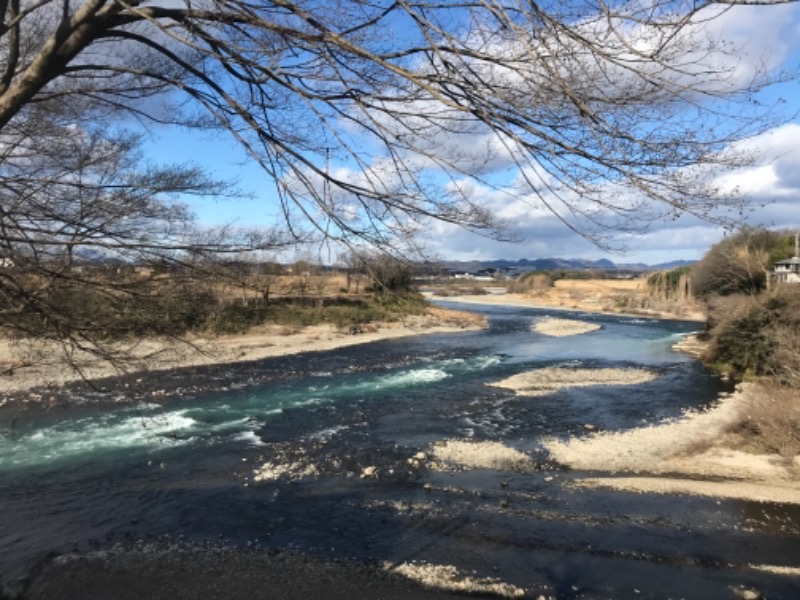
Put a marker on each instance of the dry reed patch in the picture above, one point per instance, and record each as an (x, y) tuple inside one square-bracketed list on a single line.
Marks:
[(458, 454), (546, 381), (769, 423)]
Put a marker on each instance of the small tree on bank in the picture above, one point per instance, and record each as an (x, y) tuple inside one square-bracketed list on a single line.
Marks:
[(740, 263)]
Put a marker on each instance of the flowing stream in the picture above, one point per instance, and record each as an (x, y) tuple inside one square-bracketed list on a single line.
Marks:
[(171, 459)]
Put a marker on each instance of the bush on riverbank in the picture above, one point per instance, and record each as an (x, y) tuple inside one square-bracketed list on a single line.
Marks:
[(739, 264), (460, 290), (106, 315), (238, 317), (531, 283), (753, 332), (770, 424), (757, 335)]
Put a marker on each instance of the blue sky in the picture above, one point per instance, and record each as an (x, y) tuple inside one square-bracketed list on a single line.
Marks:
[(773, 186)]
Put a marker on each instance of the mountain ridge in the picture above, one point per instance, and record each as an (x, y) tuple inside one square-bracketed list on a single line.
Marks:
[(557, 264)]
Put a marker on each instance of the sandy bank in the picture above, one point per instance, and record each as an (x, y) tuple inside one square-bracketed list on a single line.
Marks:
[(461, 454), (687, 450), (26, 365), (447, 577), (560, 302), (563, 327), (546, 381)]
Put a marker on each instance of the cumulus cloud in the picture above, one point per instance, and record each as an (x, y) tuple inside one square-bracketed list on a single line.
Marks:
[(772, 189), (765, 37), (437, 137)]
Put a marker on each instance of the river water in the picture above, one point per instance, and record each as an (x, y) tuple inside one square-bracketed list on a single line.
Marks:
[(171, 458)]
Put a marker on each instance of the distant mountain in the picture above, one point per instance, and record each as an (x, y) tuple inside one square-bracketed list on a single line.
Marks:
[(524, 265)]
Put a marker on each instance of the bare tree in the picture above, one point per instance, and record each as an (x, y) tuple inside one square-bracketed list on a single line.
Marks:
[(353, 263), (373, 115), (370, 117), (88, 233)]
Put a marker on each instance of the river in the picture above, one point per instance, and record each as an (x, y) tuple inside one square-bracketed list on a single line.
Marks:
[(170, 459)]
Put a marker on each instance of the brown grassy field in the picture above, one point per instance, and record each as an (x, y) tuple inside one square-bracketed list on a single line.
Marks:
[(621, 296)]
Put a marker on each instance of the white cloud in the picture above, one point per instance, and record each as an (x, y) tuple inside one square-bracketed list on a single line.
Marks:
[(764, 36), (772, 188)]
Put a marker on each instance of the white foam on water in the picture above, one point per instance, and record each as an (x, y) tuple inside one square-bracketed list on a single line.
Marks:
[(87, 436), (235, 424), (319, 388), (484, 362), (673, 337), (413, 377), (326, 434), (567, 364), (145, 406), (477, 363), (250, 437)]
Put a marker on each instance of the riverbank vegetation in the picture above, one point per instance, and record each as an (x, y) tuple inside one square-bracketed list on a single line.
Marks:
[(753, 324), (753, 333), (125, 303)]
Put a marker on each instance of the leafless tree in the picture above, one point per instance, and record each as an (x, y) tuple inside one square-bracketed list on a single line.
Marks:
[(353, 264), (88, 232), (373, 115), (370, 117)]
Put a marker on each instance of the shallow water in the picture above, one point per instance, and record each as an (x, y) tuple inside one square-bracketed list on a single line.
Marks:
[(175, 460)]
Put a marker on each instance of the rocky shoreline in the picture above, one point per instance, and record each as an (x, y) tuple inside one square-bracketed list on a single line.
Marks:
[(683, 456), (29, 365)]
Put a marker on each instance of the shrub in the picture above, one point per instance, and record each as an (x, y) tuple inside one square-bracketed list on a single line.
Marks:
[(739, 263), (757, 335), (532, 282), (770, 423), (744, 345)]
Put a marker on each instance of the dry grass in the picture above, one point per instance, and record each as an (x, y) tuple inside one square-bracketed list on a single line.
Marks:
[(769, 424), (457, 318), (285, 330)]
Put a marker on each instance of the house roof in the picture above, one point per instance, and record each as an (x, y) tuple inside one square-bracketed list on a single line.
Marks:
[(795, 260)]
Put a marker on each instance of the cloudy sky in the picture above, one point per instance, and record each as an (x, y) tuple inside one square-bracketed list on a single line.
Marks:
[(771, 187)]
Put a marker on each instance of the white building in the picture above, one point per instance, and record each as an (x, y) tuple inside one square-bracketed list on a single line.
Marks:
[(788, 271)]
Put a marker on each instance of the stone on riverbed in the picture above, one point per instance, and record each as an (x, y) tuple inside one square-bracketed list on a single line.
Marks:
[(458, 454), (563, 327), (546, 381)]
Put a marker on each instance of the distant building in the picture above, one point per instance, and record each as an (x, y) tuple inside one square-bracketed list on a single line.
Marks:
[(788, 271)]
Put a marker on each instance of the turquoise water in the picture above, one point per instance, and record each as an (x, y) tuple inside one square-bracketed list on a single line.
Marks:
[(175, 460)]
